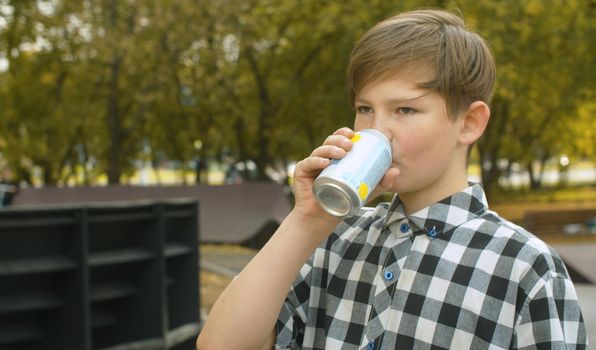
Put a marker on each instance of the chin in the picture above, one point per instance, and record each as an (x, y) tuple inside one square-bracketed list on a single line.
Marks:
[(396, 188), (403, 187)]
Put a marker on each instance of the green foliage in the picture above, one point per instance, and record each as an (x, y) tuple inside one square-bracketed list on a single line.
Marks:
[(101, 84), (545, 66)]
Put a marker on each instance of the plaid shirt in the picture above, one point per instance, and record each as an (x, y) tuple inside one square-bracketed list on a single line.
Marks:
[(451, 276)]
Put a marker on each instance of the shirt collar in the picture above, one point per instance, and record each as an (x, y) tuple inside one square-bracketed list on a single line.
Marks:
[(442, 216)]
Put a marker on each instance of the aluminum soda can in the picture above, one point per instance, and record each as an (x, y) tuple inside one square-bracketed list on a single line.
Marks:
[(343, 187)]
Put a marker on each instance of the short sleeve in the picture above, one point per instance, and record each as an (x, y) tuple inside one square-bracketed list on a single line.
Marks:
[(551, 319), (291, 322)]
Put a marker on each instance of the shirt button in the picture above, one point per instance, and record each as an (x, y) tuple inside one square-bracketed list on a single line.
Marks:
[(404, 228), (388, 275), (432, 232), (371, 345)]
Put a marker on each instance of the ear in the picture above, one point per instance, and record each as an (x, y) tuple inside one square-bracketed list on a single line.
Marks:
[(474, 122)]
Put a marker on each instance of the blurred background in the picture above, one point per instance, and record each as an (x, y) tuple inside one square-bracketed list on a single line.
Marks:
[(220, 93), (190, 91)]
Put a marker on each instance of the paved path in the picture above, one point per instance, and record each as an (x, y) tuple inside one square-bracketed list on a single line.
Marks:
[(226, 262), (587, 300), (580, 256)]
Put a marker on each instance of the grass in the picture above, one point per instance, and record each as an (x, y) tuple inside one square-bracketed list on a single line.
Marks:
[(211, 287), (576, 194), (512, 205)]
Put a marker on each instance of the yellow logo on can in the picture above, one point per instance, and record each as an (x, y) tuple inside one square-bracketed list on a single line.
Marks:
[(355, 138), (363, 191)]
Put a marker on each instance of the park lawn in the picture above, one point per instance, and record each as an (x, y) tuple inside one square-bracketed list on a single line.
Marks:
[(513, 205), (211, 286)]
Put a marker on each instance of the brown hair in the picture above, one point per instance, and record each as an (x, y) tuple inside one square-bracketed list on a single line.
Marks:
[(464, 67)]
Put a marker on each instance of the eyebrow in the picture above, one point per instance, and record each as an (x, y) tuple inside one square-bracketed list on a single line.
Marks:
[(394, 100)]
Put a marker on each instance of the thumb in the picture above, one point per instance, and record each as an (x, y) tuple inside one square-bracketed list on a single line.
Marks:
[(386, 183)]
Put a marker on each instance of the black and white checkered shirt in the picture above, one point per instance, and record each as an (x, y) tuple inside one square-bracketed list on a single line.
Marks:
[(451, 276)]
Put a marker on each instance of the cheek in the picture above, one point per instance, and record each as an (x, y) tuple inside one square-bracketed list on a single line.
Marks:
[(411, 145), (360, 124), (420, 148)]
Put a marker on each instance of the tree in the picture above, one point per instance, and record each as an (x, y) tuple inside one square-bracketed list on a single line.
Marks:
[(35, 126), (98, 85), (543, 75)]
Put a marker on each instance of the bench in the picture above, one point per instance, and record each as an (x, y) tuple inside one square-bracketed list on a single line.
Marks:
[(560, 221)]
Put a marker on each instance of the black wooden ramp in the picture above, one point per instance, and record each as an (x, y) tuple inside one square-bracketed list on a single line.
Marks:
[(244, 214)]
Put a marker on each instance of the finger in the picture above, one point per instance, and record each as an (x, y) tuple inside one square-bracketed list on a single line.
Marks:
[(336, 140), (341, 141), (328, 151), (387, 182), (345, 131), (310, 165), (389, 179)]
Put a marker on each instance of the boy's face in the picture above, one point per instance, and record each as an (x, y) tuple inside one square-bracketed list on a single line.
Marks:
[(424, 139)]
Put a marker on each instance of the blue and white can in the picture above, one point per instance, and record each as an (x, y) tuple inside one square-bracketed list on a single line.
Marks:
[(345, 185)]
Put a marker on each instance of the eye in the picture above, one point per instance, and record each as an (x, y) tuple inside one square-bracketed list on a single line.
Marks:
[(406, 110), (363, 109)]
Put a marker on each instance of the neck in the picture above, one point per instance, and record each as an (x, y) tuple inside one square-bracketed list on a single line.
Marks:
[(444, 187)]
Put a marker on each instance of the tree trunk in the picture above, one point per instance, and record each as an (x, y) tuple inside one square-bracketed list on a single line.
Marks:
[(489, 173), (116, 132), (201, 168), (84, 159), (155, 167), (239, 126), (23, 173), (198, 170), (113, 112), (489, 146), (266, 111), (48, 174), (534, 182), (263, 157), (536, 179)]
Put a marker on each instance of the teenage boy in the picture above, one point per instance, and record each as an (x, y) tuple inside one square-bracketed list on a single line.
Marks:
[(433, 269)]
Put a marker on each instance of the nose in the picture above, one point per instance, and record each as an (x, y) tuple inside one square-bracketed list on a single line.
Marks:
[(380, 124)]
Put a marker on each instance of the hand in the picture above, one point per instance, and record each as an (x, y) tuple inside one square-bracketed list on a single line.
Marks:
[(334, 147), (386, 185)]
